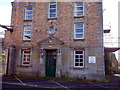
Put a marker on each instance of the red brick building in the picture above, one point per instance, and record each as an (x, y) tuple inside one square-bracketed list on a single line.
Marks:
[(56, 38)]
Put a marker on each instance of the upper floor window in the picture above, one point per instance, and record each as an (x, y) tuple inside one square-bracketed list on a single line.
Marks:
[(79, 58), (27, 33), (79, 9), (79, 31), (26, 56), (28, 13), (52, 10)]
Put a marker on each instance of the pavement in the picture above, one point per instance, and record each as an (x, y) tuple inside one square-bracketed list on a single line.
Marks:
[(27, 83)]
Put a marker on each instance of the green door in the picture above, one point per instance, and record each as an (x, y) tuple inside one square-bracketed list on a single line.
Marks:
[(50, 63)]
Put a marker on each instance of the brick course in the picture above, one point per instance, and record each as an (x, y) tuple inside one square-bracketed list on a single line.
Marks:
[(64, 23)]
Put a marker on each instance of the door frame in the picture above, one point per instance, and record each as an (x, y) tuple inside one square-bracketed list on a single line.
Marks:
[(46, 62)]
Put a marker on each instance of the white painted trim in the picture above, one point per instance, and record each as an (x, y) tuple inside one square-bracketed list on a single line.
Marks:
[(28, 11), (23, 57), (83, 59), (75, 15), (79, 33), (49, 10), (27, 34)]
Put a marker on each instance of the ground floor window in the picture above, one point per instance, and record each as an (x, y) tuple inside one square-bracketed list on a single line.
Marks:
[(26, 56), (79, 58)]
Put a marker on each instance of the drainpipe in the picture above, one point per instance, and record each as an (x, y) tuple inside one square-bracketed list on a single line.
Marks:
[(7, 59)]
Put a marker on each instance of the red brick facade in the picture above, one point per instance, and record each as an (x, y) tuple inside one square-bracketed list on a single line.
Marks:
[(64, 24)]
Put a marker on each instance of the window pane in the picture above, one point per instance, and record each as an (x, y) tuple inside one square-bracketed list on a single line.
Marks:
[(52, 15), (79, 8), (78, 25), (79, 4), (79, 13), (26, 63), (28, 8), (76, 56), (79, 30), (52, 6), (79, 35), (81, 56), (76, 60), (27, 28), (29, 17), (81, 64), (27, 32), (26, 56), (27, 37), (28, 59), (28, 13), (52, 10), (76, 64), (27, 50), (81, 60), (52, 2), (78, 52)]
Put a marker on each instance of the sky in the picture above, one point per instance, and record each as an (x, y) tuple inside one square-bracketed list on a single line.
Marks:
[(110, 16)]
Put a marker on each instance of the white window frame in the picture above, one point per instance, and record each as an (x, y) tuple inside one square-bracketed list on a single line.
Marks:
[(23, 53), (26, 11), (24, 34), (52, 8), (75, 9), (79, 58), (80, 32)]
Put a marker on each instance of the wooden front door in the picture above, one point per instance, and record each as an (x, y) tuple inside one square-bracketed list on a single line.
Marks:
[(50, 63)]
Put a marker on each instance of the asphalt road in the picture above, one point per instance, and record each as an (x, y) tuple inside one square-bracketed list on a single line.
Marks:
[(14, 83)]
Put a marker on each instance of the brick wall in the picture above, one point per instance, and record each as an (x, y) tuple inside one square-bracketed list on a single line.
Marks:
[(64, 23)]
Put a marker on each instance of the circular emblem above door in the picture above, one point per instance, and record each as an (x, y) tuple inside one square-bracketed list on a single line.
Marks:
[(51, 31)]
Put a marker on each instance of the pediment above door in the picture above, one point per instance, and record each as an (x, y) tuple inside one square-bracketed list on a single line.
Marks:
[(51, 41)]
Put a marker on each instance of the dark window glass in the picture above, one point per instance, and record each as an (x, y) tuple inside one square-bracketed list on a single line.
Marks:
[(81, 56), (52, 15), (52, 10), (81, 64), (79, 25), (76, 64), (76, 60), (79, 35), (79, 52), (76, 56), (79, 30), (52, 2), (79, 8), (28, 8), (81, 60), (52, 6)]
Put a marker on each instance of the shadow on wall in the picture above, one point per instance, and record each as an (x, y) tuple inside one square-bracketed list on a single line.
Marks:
[(111, 63)]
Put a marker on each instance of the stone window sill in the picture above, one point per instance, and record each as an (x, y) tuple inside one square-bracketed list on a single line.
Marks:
[(27, 20), (52, 18), (79, 16), (78, 39), (78, 68), (26, 40), (24, 65)]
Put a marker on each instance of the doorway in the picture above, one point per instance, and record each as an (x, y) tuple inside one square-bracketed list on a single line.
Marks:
[(50, 65)]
